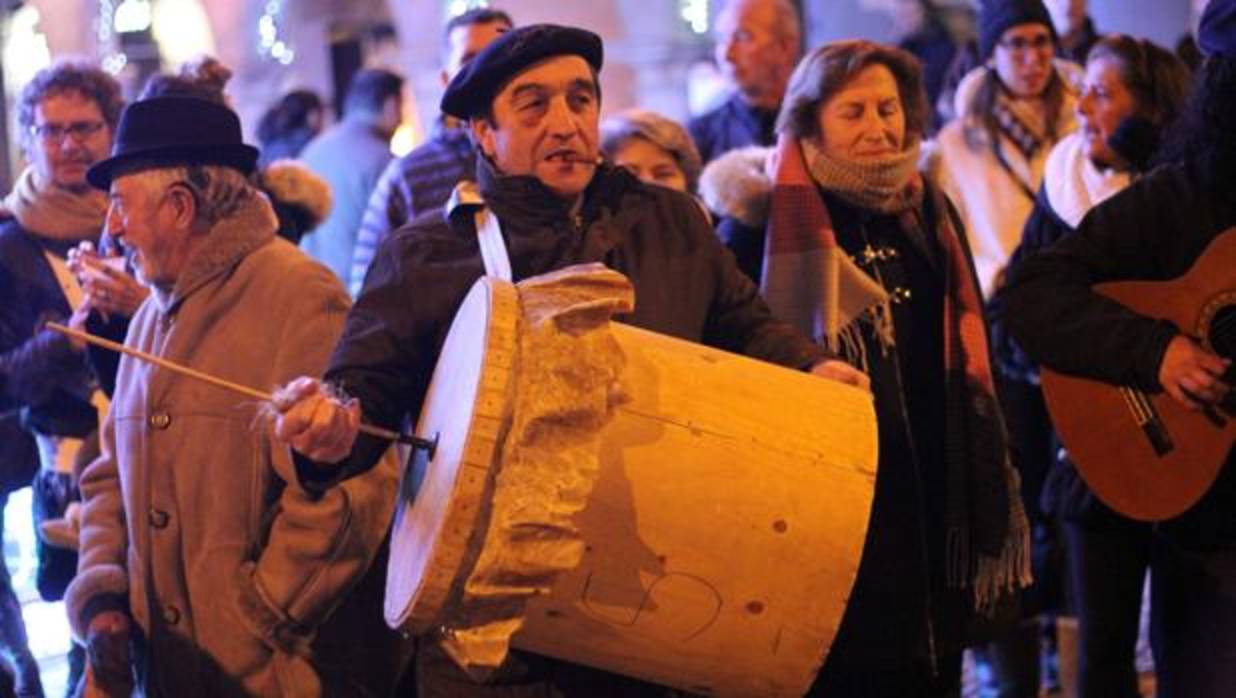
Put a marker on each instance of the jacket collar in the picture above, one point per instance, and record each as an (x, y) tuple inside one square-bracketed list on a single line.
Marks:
[(229, 241), (525, 199)]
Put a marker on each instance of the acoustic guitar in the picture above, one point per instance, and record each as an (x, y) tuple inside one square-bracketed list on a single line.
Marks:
[(1144, 455)]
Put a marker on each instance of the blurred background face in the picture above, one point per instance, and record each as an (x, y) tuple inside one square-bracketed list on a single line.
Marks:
[(1023, 59), (463, 43), (864, 120), (752, 53), (650, 163), (69, 136), (1105, 102), (1067, 15)]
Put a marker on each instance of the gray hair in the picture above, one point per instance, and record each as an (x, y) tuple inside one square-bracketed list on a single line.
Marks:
[(217, 190), (661, 131)]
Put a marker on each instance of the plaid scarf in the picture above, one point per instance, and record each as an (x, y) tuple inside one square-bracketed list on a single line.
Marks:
[(810, 281)]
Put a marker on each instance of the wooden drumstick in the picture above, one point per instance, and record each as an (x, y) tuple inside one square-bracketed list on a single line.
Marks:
[(174, 367)]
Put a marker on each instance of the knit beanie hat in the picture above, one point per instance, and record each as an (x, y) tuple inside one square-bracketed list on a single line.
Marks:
[(998, 16), (1216, 34)]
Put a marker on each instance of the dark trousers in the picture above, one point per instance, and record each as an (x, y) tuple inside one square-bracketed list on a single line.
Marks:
[(1106, 570), (1193, 612)]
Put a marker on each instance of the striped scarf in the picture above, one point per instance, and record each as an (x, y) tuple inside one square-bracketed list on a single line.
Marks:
[(810, 281)]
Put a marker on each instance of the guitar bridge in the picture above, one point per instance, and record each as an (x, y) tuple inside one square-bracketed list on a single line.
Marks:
[(1147, 417)]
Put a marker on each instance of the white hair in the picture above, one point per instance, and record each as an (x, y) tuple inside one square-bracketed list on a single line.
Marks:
[(218, 191)]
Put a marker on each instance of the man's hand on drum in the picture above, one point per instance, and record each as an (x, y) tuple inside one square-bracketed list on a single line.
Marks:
[(835, 369), (314, 421), (1192, 375)]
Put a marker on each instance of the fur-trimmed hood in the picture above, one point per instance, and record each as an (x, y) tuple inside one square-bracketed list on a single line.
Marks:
[(289, 183), (737, 185)]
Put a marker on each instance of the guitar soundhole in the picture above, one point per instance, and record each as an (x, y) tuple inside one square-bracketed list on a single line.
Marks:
[(1222, 336), (1223, 332)]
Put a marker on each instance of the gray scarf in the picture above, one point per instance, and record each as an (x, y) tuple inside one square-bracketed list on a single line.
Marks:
[(882, 185)]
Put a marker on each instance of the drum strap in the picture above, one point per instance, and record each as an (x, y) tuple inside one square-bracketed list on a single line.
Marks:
[(493, 248)]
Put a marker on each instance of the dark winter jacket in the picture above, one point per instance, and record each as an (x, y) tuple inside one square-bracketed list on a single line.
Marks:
[(1154, 230), (734, 124), (39, 370)]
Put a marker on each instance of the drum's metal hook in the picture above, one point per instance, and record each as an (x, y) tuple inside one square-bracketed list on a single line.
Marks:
[(429, 446)]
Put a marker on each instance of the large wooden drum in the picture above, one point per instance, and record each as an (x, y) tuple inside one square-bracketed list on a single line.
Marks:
[(618, 498)]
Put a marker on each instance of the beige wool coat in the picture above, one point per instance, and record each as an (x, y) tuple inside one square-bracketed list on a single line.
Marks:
[(197, 514)]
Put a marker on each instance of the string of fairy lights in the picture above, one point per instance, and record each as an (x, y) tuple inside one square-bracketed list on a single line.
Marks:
[(271, 42), (121, 16)]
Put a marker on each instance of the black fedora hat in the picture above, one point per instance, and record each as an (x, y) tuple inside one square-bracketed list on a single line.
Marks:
[(170, 132)]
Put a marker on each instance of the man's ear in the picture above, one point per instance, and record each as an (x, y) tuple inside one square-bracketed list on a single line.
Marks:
[(483, 135), (184, 206)]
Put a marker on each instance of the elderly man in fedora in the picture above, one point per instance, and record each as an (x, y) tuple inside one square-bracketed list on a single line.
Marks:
[(532, 101), (207, 569)]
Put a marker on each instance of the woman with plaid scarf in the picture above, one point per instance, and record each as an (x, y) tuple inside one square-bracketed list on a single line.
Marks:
[(859, 250)]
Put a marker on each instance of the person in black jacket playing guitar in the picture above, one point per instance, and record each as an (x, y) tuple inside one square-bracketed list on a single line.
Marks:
[(1156, 229)]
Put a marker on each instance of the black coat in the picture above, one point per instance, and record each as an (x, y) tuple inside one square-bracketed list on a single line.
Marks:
[(901, 615), (686, 285), (39, 370), (1154, 230)]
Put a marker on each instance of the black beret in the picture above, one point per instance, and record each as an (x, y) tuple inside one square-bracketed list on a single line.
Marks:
[(473, 89), (1216, 33)]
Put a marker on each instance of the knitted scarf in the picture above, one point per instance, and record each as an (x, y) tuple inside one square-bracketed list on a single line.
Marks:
[(55, 213), (1022, 125), (810, 281)]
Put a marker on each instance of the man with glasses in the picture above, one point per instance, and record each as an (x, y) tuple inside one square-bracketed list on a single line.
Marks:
[(65, 116)]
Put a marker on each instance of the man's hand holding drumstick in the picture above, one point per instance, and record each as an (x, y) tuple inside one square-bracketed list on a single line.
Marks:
[(322, 427), (314, 421)]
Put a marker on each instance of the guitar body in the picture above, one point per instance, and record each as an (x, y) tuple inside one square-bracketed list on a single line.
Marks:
[(1144, 455)]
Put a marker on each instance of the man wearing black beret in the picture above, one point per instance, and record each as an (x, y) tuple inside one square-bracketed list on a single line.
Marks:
[(1155, 230), (532, 100)]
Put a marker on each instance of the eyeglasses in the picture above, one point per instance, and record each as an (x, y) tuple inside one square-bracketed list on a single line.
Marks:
[(55, 133), (1020, 44)]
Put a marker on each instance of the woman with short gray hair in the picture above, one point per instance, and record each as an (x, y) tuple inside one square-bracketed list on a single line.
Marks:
[(653, 147)]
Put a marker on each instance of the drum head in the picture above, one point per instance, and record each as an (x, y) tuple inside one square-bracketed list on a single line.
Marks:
[(441, 499)]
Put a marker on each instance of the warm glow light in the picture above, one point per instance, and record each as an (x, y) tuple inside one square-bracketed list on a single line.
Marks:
[(695, 12), (454, 8), (406, 137), (132, 16), (182, 31), (26, 51)]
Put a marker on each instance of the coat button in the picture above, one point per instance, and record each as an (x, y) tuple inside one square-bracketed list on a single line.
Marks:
[(159, 518), (160, 420), (171, 615)]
